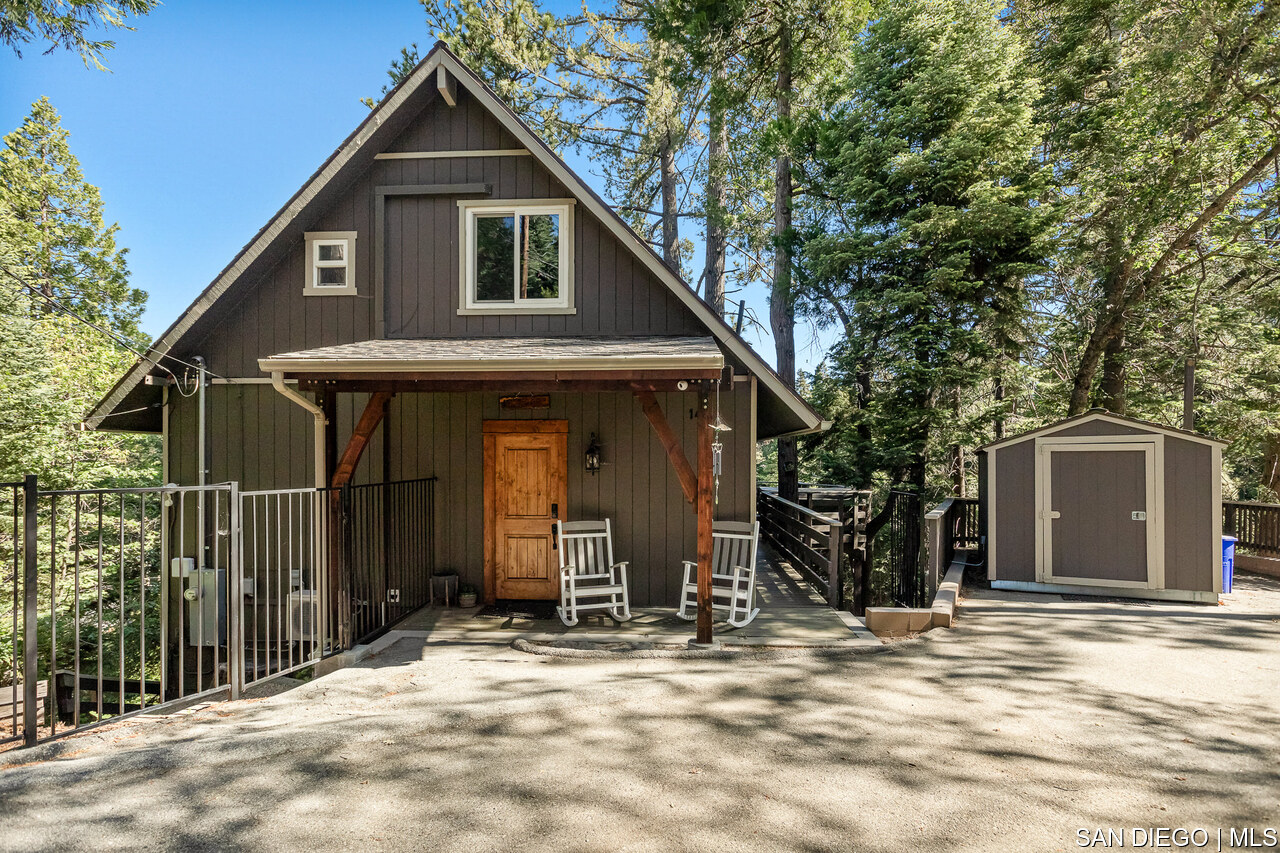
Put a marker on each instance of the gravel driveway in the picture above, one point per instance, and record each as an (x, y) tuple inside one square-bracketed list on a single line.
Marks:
[(1033, 718)]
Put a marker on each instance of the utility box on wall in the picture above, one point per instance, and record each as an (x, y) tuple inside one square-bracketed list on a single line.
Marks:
[(206, 597), (1104, 505)]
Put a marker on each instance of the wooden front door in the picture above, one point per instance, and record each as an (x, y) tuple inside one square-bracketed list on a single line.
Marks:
[(525, 492)]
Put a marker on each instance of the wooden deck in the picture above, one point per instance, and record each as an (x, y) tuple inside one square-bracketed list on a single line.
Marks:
[(792, 615)]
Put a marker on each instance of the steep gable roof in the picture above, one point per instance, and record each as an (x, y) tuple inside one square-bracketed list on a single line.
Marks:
[(784, 408)]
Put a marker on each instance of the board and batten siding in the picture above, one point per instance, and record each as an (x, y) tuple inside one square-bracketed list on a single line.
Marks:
[(263, 441), (614, 294), (1190, 542)]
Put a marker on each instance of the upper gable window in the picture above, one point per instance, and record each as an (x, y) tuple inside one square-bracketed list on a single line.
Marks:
[(331, 269), (516, 257)]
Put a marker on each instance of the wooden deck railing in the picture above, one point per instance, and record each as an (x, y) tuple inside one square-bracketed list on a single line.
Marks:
[(951, 526), (1255, 525), (818, 545)]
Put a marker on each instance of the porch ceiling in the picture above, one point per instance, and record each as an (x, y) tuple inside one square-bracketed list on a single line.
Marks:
[(699, 356)]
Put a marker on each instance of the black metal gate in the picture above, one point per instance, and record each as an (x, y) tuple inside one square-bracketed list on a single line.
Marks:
[(117, 601), (907, 582)]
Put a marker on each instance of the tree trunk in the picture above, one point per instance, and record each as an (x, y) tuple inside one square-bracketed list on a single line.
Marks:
[(999, 394), (958, 485), (716, 200), (670, 203), (782, 317), (1109, 324), (1111, 391), (1270, 478)]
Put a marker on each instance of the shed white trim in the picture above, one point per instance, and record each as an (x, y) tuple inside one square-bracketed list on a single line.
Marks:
[(991, 516)]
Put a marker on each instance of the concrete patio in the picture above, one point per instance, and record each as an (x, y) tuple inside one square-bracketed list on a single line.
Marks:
[(783, 626), (792, 614)]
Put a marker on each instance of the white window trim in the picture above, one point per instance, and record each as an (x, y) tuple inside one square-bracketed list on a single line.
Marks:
[(316, 239), (467, 211)]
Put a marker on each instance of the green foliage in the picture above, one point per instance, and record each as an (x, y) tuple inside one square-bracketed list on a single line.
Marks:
[(928, 227), (60, 250), (1162, 128), (1009, 212), (58, 257), (66, 24)]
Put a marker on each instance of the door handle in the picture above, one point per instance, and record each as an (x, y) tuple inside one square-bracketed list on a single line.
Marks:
[(1053, 514), (554, 545)]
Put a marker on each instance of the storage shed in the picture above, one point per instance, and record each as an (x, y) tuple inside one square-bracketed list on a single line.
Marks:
[(1104, 505)]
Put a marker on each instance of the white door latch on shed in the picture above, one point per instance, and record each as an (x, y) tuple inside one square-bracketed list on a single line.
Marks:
[(1138, 515)]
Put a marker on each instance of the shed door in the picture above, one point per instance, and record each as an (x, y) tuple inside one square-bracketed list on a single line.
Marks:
[(1098, 519), (525, 492)]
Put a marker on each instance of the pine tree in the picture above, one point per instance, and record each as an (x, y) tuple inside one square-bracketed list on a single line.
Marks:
[(61, 251), (60, 271), (929, 226), (67, 24)]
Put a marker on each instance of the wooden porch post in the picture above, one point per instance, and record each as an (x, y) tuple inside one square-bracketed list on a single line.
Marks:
[(703, 508)]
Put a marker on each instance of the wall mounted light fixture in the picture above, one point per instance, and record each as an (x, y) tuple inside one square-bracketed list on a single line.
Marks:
[(593, 455)]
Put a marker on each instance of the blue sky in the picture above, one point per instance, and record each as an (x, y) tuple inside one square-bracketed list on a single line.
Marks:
[(212, 115)]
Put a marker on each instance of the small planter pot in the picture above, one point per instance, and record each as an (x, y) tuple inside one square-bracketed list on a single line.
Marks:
[(466, 599)]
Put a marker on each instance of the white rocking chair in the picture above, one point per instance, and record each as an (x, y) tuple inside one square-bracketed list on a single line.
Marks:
[(733, 574), (588, 572)]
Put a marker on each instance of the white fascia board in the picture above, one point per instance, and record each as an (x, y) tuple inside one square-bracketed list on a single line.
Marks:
[(349, 149)]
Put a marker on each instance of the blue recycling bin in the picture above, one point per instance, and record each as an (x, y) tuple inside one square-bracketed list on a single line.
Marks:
[(1228, 561)]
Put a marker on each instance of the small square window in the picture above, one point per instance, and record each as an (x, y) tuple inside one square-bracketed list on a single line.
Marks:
[(516, 257), (330, 271)]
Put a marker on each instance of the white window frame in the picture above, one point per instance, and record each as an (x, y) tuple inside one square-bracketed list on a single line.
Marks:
[(469, 210), (316, 239)]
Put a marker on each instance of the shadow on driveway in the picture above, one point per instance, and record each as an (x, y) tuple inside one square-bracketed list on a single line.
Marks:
[(1032, 718)]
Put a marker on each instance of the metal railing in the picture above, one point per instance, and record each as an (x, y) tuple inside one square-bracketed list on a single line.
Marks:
[(12, 674), (953, 525), (1256, 526), (327, 569), (387, 542), (117, 601), (965, 524), (908, 582)]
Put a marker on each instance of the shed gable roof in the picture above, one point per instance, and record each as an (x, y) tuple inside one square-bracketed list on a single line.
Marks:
[(1105, 417), (784, 407)]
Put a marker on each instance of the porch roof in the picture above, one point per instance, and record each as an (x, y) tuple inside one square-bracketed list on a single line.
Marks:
[(490, 355)]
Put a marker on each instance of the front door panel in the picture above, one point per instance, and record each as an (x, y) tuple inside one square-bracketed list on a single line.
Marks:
[(525, 492)]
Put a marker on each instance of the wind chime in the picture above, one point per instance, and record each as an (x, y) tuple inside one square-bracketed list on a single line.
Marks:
[(717, 447)]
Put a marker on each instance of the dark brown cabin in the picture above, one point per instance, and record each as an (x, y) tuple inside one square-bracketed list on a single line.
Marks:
[(443, 285)]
